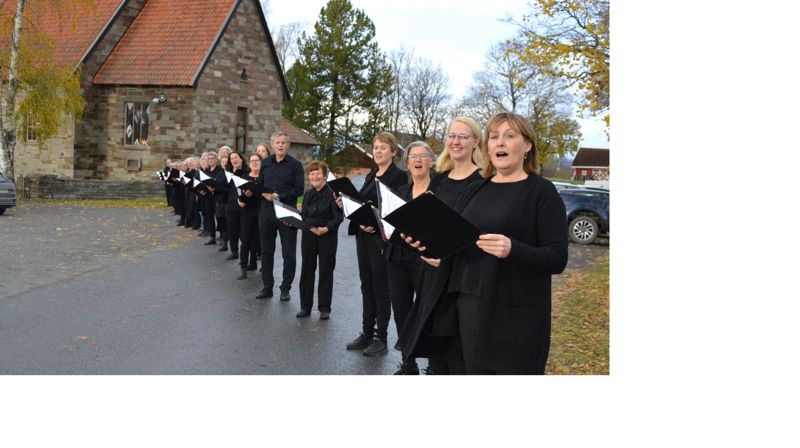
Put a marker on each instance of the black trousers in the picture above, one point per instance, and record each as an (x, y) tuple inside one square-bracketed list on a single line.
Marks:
[(468, 316), (403, 277), (376, 305), (270, 228), (311, 248), (168, 193), (233, 218), (248, 232), (209, 221)]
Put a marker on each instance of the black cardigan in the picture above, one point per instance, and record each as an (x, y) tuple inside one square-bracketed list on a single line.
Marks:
[(514, 326)]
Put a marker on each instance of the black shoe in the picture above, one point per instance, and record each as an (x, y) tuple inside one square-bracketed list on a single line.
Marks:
[(264, 294), (324, 315), (408, 368), (303, 313), (210, 242), (202, 233), (224, 248), (232, 256), (285, 296), (359, 343), (376, 348), (243, 275), (180, 224)]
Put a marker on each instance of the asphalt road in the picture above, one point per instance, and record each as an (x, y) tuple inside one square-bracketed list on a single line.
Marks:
[(125, 291)]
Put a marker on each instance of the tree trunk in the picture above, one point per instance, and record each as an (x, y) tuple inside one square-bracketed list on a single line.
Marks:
[(9, 124)]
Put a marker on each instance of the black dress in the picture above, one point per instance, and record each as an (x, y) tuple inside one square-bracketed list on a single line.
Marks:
[(501, 306)]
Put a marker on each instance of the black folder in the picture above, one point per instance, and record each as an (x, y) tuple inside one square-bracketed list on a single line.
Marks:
[(254, 187), (298, 223), (365, 215), (344, 185), (442, 230)]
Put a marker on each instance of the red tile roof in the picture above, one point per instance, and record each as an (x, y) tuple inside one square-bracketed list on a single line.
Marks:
[(594, 157), (297, 135), (167, 43), (73, 32)]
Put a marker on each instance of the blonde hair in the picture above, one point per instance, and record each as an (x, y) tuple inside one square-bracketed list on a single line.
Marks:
[(520, 124), (444, 162)]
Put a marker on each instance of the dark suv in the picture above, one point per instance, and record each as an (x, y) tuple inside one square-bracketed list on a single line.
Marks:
[(8, 194), (587, 213)]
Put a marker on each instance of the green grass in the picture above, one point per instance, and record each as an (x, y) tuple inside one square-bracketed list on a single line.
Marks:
[(580, 335), (104, 203)]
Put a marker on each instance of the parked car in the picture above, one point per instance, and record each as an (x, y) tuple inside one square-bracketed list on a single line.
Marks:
[(566, 185), (8, 194), (587, 213)]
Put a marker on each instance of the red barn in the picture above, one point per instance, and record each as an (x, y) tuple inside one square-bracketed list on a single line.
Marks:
[(591, 163)]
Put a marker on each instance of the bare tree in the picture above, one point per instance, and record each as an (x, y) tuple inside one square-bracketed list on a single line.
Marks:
[(400, 62), (425, 96), (508, 84), (286, 43), (501, 86)]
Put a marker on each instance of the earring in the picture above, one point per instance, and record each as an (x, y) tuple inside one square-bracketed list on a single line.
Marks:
[(526, 155)]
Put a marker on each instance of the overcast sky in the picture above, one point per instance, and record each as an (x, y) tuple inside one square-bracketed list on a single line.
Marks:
[(456, 34)]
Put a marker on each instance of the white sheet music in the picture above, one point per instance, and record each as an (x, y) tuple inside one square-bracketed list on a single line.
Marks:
[(195, 182), (330, 177), (203, 176), (389, 201), (388, 229), (349, 205), (229, 175), (238, 181), (283, 212)]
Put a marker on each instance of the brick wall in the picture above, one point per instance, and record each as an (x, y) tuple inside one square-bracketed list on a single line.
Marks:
[(51, 187)]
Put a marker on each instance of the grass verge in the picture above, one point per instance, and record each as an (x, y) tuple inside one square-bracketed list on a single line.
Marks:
[(580, 336)]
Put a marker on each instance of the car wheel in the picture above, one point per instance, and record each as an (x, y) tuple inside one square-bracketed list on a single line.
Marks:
[(583, 229)]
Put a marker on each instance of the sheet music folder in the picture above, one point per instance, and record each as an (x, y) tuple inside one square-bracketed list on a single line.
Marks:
[(442, 230), (344, 185), (363, 214), (290, 214)]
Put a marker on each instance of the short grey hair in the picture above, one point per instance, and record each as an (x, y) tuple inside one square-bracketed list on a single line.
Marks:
[(280, 134), (418, 144), (212, 154)]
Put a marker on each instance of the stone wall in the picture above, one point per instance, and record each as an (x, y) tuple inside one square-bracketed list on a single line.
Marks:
[(221, 91), (54, 156), (52, 187), (93, 134), (170, 132)]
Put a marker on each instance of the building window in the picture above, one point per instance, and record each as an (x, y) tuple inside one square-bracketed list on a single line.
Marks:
[(137, 120), (31, 128)]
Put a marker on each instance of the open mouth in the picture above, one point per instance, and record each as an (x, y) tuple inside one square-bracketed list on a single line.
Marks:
[(500, 154)]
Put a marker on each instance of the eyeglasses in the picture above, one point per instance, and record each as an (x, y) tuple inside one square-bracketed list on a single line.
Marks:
[(417, 156), (460, 137)]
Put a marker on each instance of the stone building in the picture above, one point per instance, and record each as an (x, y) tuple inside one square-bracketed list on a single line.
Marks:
[(161, 79)]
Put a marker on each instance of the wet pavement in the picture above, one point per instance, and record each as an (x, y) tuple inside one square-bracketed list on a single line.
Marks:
[(125, 291)]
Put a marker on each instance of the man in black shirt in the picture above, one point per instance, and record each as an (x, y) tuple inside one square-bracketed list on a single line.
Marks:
[(281, 175)]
